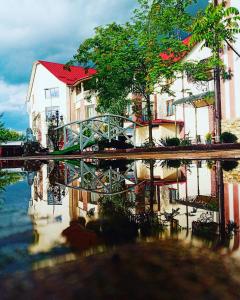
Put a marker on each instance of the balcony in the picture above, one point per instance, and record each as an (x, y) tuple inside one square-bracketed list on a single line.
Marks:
[(83, 96)]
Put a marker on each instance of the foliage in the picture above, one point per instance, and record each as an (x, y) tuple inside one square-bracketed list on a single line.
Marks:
[(199, 71), (214, 27), (148, 144), (210, 164), (185, 142), (127, 56), (175, 163), (208, 137), (170, 141), (8, 178), (229, 165), (228, 137), (9, 134)]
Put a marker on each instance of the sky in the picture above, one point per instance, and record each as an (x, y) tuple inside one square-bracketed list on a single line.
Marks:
[(48, 30)]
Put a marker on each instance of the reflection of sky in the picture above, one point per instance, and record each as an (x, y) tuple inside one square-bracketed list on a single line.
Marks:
[(15, 225)]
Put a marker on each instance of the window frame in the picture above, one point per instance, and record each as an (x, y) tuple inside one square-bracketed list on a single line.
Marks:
[(54, 95), (169, 111)]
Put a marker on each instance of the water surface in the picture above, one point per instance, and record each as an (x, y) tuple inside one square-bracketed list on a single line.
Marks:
[(56, 211)]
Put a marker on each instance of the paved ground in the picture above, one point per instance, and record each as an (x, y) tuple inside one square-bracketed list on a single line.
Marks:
[(210, 154), (163, 270)]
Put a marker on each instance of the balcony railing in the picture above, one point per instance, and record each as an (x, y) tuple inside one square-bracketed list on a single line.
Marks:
[(83, 96)]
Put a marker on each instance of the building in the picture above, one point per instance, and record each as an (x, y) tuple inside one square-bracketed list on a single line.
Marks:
[(193, 102), (54, 88), (14, 148), (230, 92)]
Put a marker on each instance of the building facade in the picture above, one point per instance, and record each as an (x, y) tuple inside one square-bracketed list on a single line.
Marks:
[(54, 88)]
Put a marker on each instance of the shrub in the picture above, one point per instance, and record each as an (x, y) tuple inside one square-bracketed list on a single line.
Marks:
[(170, 141), (229, 165), (146, 144), (185, 142), (176, 163), (208, 137), (228, 137)]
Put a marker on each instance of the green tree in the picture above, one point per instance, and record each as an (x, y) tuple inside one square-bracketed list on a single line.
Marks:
[(214, 27), (127, 57), (8, 178), (8, 134)]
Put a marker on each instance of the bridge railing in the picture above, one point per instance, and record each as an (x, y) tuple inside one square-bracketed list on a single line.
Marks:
[(108, 127)]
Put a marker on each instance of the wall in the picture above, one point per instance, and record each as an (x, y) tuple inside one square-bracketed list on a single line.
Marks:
[(182, 88), (43, 79), (230, 88)]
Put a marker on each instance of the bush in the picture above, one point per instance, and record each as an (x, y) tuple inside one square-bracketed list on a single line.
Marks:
[(208, 137), (185, 142), (228, 137), (171, 142), (229, 165)]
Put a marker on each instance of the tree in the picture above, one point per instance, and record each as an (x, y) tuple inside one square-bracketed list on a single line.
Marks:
[(127, 57), (8, 179), (8, 134), (214, 27)]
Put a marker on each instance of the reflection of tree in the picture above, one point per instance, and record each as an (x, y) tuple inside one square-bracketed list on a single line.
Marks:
[(8, 178), (116, 218), (119, 223)]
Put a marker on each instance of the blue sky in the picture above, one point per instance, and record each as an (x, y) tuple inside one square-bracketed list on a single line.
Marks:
[(48, 30)]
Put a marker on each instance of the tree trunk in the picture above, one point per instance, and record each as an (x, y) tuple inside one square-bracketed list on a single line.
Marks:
[(151, 165), (220, 196), (149, 114), (217, 87)]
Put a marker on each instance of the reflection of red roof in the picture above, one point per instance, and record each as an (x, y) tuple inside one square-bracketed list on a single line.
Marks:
[(166, 56), (162, 121), (69, 77)]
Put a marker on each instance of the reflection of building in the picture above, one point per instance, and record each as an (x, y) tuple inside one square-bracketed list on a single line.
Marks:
[(231, 181), (191, 190), (49, 220), (53, 88)]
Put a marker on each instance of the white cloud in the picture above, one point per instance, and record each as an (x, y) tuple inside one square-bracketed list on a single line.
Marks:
[(12, 97), (48, 30), (30, 21)]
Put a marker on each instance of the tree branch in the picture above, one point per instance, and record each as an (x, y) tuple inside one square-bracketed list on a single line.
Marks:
[(233, 49)]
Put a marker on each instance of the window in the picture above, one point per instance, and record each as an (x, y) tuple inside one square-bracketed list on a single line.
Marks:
[(50, 111), (51, 93), (79, 89), (78, 114), (170, 108), (172, 195), (90, 111)]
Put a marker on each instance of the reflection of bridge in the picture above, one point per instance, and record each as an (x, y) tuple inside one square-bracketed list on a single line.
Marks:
[(89, 177), (88, 132)]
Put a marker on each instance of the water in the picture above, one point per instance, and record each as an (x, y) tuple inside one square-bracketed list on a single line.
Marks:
[(57, 211)]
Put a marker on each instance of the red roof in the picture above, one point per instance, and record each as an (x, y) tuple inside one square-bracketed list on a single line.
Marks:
[(70, 77), (166, 56)]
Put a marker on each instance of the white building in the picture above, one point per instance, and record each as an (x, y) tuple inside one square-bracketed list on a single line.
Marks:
[(54, 88), (194, 101)]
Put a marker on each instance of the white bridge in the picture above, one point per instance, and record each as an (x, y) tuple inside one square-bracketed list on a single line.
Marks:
[(88, 132)]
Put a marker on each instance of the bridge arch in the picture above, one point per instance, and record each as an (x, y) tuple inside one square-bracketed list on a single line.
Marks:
[(88, 132)]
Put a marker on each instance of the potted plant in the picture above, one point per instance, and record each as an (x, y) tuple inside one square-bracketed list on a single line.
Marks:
[(208, 138)]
